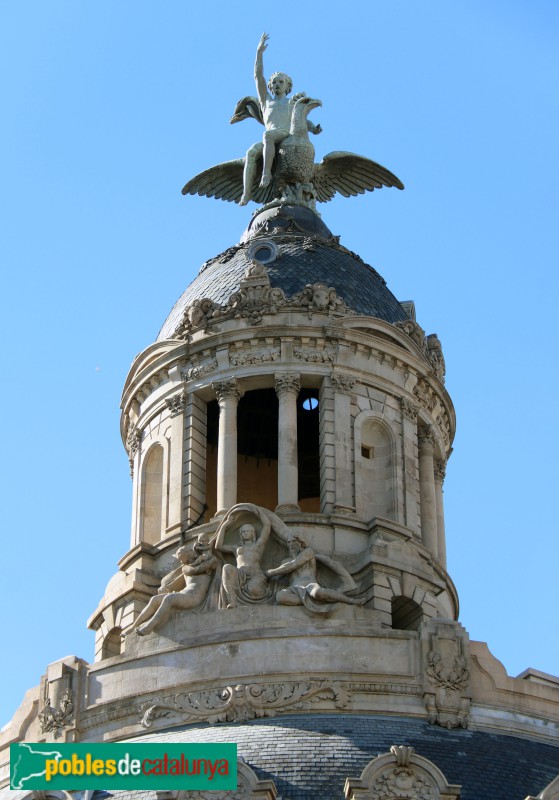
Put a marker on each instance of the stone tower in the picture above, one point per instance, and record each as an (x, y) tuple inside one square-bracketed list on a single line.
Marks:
[(286, 585)]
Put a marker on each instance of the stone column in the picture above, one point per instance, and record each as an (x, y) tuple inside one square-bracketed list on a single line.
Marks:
[(176, 406), (288, 386), (440, 469), (343, 386), (410, 476), (228, 395), (427, 499), (133, 442)]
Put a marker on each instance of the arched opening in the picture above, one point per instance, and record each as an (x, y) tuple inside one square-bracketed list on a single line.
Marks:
[(308, 457), (406, 614), (112, 644), (257, 448), (376, 466), (152, 495)]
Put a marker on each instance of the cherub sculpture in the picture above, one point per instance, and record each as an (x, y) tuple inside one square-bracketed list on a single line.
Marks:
[(281, 168)]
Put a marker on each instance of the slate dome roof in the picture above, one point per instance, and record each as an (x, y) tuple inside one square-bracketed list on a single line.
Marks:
[(297, 249), (309, 756)]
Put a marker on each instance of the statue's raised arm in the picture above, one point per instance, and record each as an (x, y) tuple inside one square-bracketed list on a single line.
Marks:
[(261, 88)]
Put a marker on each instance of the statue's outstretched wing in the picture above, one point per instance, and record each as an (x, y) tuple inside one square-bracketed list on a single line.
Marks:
[(247, 108), (224, 181), (350, 174)]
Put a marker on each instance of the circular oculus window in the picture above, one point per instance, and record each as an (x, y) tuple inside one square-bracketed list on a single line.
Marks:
[(263, 252)]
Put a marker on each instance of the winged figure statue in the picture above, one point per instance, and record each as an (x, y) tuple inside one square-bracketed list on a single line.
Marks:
[(281, 168)]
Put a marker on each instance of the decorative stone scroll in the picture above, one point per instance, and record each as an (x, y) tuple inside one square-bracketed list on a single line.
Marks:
[(401, 775), (255, 298), (425, 395), (434, 353), (244, 701)]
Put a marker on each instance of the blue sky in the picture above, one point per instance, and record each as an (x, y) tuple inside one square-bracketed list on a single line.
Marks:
[(108, 108)]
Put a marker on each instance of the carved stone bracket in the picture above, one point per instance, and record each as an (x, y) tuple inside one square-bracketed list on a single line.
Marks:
[(133, 441), (228, 388), (288, 382), (342, 383), (413, 330), (243, 702), (409, 410), (176, 403)]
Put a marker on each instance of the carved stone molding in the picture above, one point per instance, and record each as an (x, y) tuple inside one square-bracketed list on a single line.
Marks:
[(409, 410), (241, 357), (54, 719), (342, 383), (243, 702), (400, 775), (314, 355), (226, 389), (199, 370), (287, 382), (176, 403)]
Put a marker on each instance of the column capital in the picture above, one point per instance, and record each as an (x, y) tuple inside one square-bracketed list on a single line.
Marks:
[(226, 389), (341, 382), (287, 382), (176, 403), (426, 438), (440, 470), (409, 409)]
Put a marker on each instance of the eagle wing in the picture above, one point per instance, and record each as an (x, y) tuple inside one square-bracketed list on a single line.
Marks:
[(350, 175), (225, 182)]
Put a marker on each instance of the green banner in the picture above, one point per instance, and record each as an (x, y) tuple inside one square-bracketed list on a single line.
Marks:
[(136, 765)]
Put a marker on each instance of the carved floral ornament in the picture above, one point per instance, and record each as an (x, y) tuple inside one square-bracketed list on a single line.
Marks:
[(54, 719), (255, 298)]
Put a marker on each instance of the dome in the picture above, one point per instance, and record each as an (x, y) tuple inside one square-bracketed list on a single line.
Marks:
[(297, 249)]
